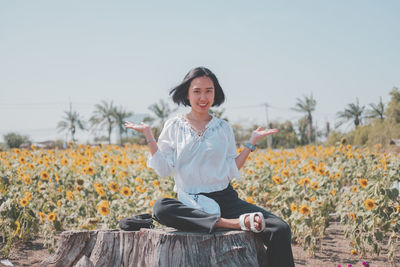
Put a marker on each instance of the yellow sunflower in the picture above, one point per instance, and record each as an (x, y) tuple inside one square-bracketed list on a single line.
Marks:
[(23, 202), (363, 182), (369, 204), (51, 216), (126, 191), (293, 207), (304, 209), (44, 175), (113, 186), (103, 208), (277, 179)]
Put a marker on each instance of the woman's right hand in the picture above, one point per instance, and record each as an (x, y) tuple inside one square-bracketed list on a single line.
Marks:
[(142, 127)]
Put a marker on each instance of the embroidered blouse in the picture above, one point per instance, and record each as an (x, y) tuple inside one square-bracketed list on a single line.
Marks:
[(200, 163)]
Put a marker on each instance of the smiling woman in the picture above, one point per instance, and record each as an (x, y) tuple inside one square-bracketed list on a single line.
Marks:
[(200, 150)]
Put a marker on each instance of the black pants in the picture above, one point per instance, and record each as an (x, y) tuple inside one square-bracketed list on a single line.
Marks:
[(276, 236)]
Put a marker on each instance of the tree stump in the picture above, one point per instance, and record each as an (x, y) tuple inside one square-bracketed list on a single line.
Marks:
[(164, 247)]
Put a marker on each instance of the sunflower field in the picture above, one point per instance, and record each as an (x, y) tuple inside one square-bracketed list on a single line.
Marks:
[(43, 192)]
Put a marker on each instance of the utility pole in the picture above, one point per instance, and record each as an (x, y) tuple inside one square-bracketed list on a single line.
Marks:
[(269, 137)]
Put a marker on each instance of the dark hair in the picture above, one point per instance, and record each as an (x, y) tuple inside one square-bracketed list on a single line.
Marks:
[(180, 92)]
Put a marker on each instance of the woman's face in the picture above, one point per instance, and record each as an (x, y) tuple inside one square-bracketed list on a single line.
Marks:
[(201, 94)]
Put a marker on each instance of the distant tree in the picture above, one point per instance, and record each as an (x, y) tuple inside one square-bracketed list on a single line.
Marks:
[(393, 109), (241, 134), (71, 122), (306, 105), (161, 110), (354, 112), (14, 140), (302, 131), (103, 118), (120, 115), (285, 138), (377, 111)]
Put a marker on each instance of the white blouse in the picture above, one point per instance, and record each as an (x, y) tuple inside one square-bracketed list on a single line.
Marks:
[(200, 164)]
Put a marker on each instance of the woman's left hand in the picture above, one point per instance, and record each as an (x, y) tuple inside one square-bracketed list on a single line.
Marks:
[(259, 133)]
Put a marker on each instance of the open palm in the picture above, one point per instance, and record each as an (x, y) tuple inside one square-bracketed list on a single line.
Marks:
[(259, 133), (142, 127)]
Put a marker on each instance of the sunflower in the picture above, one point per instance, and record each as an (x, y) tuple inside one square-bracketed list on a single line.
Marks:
[(22, 160), (156, 183), (44, 175), (100, 190), (140, 189), (354, 189), (293, 207), (27, 179), (42, 216), (307, 181), (313, 167), (314, 185), (23, 202), (304, 209), (152, 202), (352, 215), (64, 161), (321, 171), (103, 208), (139, 180), (113, 186), (277, 179), (285, 173), (89, 170), (70, 195), (126, 191), (113, 170), (333, 192), (369, 204), (363, 182), (51, 216)]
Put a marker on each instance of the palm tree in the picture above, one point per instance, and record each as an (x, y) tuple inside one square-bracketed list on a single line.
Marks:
[(120, 115), (307, 106), (353, 112), (161, 110), (103, 117), (71, 122), (377, 111)]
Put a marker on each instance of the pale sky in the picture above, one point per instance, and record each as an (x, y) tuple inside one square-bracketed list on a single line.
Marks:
[(131, 52)]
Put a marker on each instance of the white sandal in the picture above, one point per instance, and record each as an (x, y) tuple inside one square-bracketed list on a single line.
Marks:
[(252, 217)]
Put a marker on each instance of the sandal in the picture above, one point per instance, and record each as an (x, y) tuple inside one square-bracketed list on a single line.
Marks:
[(252, 221)]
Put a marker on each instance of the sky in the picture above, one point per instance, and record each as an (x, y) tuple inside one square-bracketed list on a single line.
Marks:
[(53, 53)]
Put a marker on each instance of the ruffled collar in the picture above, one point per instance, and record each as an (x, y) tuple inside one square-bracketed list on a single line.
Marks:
[(211, 124)]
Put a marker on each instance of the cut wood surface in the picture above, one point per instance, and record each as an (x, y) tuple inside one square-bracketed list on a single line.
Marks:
[(165, 247)]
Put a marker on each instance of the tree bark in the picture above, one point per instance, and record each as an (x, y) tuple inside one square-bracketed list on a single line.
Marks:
[(158, 247)]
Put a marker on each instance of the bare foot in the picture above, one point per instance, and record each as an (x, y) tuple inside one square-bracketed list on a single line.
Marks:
[(257, 222)]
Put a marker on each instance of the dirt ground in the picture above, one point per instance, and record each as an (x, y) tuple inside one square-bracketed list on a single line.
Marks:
[(335, 251)]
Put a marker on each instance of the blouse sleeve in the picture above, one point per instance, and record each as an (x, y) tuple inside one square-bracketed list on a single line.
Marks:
[(231, 155), (163, 161)]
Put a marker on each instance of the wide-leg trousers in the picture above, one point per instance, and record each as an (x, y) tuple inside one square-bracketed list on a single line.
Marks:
[(276, 236)]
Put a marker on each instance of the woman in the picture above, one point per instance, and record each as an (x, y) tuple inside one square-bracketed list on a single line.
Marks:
[(200, 151)]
